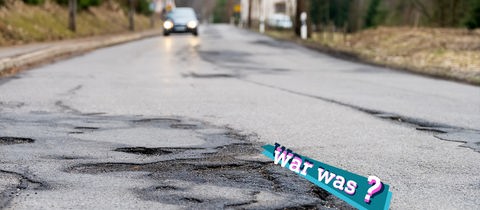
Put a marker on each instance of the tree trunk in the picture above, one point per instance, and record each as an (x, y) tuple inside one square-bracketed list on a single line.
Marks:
[(302, 6), (298, 23), (131, 14), (72, 15), (249, 20)]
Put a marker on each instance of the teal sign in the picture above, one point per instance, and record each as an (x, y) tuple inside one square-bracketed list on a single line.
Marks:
[(358, 191)]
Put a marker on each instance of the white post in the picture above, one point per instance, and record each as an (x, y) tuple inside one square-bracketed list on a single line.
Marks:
[(303, 28)]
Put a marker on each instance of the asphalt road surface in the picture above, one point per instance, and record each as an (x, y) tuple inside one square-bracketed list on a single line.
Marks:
[(178, 122)]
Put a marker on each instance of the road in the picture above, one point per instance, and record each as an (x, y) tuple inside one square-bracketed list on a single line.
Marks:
[(178, 122)]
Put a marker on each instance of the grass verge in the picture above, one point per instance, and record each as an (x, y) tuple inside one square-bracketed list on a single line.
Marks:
[(444, 53), (21, 23)]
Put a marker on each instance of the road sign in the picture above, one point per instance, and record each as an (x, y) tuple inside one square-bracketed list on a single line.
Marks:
[(237, 8)]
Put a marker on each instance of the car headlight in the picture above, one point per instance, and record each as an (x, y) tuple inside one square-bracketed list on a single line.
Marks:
[(168, 24), (192, 24)]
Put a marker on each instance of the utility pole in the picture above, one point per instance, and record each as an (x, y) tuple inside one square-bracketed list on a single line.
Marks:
[(249, 20), (131, 14), (72, 15)]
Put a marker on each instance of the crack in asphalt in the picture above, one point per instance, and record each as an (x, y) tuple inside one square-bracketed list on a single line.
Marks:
[(470, 137), (73, 90), (25, 182), (65, 108)]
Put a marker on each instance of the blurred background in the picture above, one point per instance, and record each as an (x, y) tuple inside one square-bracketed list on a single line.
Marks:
[(436, 37), (36, 20)]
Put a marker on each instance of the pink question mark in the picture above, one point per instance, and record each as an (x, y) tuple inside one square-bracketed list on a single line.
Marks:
[(373, 189)]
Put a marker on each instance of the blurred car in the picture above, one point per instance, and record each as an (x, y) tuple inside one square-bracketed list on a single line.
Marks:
[(282, 21), (181, 20)]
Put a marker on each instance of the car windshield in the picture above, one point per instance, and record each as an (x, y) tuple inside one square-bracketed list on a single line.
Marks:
[(182, 13)]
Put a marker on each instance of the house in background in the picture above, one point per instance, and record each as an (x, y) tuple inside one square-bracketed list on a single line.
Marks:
[(266, 8)]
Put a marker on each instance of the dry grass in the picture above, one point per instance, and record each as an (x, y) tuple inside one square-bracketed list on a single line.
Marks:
[(20, 23), (447, 53)]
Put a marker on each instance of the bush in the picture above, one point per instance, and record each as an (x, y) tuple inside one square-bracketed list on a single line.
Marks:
[(143, 7), (34, 2)]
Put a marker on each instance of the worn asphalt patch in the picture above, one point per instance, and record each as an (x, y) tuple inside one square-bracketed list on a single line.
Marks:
[(219, 168), (469, 137), (188, 181), (190, 176)]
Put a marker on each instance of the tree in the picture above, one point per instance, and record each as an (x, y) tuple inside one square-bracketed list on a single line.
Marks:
[(220, 13), (316, 11), (473, 19), (372, 12)]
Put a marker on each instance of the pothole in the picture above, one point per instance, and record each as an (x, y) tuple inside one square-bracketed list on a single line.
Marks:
[(183, 126), (198, 175), (86, 128), (210, 76), (94, 113), (75, 132), (153, 120), (8, 140), (166, 187), (143, 150), (189, 199), (214, 167), (66, 157)]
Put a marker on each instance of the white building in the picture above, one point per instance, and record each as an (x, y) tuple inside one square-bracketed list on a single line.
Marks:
[(267, 8)]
